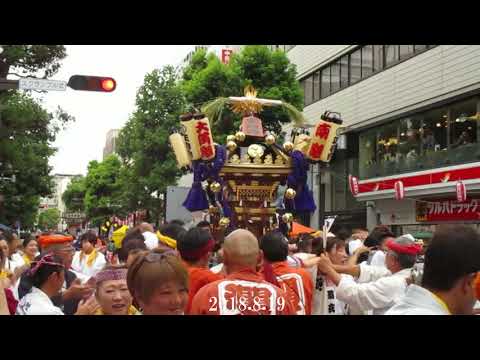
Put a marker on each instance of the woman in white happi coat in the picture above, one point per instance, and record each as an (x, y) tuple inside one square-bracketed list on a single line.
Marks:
[(377, 289), (88, 261), (325, 301)]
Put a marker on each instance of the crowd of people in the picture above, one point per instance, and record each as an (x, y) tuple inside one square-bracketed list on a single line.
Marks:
[(175, 271)]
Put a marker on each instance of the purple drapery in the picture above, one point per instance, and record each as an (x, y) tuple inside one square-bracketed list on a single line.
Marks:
[(197, 198), (297, 180)]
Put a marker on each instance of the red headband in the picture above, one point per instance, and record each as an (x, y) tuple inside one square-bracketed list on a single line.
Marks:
[(198, 253), (412, 249)]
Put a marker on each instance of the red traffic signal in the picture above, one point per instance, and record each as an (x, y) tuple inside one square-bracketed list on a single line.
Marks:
[(92, 83)]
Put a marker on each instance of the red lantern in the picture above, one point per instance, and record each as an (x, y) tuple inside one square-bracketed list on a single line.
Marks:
[(461, 191), (399, 190), (353, 183)]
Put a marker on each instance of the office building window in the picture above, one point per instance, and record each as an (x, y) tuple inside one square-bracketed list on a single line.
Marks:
[(316, 86), (391, 54), (438, 137), (463, 129), (335, 77), (409, 142), (367, 61), (325, 82), (350, 68), (308, 90), (355, 66), (368, 153), (377, 57), (406, 51), (344, 71)]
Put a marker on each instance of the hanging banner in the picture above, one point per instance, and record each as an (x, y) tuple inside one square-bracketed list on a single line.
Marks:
[(399, 190), (323, 141), (447, 210), (353, 183), (461, 191)]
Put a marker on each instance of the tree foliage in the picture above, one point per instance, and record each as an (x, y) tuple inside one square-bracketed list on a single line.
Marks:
[(102, 189), (26, 133), (74, 194), (28, 60), (271, 73), (149, 163), (49, 219)]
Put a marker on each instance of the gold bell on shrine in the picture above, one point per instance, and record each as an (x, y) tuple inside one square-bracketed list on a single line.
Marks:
[(231, 145), (288, 146), (270, 139), (215, 187), (240, 136), (224, 222), (212, 209), (290, 194), (287, 218)]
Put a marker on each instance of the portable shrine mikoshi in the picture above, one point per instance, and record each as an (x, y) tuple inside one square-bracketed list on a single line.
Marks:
[(251, 182)]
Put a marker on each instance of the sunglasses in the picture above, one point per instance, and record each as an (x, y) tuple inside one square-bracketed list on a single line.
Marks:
[(151, 257)]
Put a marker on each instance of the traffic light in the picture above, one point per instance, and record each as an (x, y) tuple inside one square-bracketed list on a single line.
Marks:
[(92, 83)]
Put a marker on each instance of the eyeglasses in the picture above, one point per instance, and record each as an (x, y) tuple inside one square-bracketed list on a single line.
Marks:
[(152, 257)]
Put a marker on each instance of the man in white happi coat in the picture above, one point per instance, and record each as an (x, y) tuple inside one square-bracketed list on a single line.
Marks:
[(452, 262), (376, 289)]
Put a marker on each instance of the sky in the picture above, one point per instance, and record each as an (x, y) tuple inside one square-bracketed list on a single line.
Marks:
[(97, 112)]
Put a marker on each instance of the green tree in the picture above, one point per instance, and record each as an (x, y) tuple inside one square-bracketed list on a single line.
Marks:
[(271, 73), (102, 189), (207, 78), (49, 219), (28, 60), (74, 194), (26, 133), (149, 164)]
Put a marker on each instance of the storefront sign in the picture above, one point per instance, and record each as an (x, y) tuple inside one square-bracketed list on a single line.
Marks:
[(448, 210), (72, 216), (323, 141)]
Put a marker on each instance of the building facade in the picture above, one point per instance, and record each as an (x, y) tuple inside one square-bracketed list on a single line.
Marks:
[(110, 143), (411, 114), (55, 201)]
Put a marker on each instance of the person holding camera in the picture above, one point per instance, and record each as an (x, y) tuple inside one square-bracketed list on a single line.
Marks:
[(376, 289), (451, 282)]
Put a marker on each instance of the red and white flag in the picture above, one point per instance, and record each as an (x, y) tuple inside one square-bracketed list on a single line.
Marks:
[(353, 183), (399, 190), (461, 191)]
